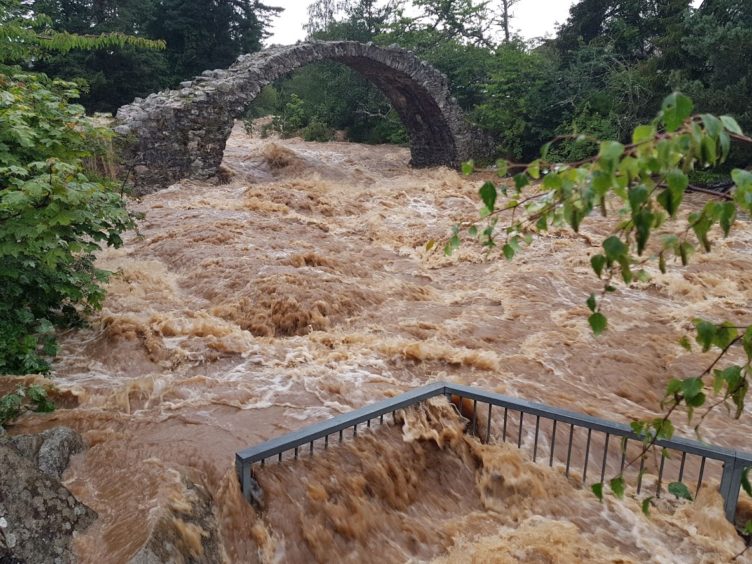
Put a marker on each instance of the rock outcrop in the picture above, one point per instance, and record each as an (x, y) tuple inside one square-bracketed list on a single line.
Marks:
[(38, 515), (181, 133)]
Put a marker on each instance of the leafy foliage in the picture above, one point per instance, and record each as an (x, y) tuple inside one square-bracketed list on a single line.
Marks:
[(293, 117), (680, 490), (53, 217), (520, 89), (192, 36), (32, 398), (598, 490), (317, 131), (26, 35)]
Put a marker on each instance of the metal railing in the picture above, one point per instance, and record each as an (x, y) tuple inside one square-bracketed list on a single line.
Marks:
[(580, 432)]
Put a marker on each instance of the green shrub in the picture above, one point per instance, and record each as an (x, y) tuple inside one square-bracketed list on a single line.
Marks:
[(293, 117), (53, 216), (317, 131), (31, 398), (388, 130)]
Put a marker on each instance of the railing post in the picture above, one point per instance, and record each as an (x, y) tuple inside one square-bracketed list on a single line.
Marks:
[(731, 482), (246, 481)]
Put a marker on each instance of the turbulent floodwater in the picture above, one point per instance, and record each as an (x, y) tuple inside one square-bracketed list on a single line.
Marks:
[(302, 289)]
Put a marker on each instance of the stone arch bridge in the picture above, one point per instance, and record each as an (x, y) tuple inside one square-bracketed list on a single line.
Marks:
[(182, 133)]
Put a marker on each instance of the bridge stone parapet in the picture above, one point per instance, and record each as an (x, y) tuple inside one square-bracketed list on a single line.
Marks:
[(182, 133)]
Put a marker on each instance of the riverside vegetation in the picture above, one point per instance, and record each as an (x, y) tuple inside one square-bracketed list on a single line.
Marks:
[(54, 212)]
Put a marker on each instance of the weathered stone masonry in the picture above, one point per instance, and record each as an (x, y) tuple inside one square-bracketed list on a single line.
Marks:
[(182, 133)]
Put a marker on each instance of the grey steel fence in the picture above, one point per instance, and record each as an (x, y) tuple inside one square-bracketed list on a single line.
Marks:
[(555, 433)]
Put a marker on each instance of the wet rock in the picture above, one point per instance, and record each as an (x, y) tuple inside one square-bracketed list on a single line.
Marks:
[(186, 532), (38, 515), (27, 445), (58, 446), (50, 450), (256, 494)]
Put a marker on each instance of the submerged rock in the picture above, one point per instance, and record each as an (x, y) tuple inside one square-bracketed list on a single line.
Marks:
[(38, 515)]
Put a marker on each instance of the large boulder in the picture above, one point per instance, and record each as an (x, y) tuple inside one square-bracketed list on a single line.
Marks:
[(50, 450), (38, 515)]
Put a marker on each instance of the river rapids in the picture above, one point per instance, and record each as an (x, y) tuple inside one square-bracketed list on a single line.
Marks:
[(302, 288)]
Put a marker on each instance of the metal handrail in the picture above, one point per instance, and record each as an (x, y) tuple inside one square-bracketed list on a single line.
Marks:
[(335, 424), (582, 420), (734, 461)]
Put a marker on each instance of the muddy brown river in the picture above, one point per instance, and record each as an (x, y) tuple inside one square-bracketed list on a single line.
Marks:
[(302, 289)]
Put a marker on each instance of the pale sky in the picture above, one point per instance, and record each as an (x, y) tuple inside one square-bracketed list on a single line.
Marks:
[(532, 18)]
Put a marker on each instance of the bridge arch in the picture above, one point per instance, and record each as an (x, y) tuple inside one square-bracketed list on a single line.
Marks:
[(182, 133)]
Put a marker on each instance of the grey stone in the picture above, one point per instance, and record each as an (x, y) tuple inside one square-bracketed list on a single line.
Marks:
[(59, 445), (27, 445), (40, 515), (159, 144), (50, 450)]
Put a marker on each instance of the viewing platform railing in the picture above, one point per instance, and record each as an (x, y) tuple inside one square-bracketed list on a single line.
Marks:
[(580, 433)]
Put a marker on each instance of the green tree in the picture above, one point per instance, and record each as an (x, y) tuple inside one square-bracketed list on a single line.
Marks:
[(612, 59), (355, 20), (208, 35), (631, 30), (198, 36), (521, 99), (27, 36), (466, 21), (713, 67), (610, 63), (506, 16), (108, 78)]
